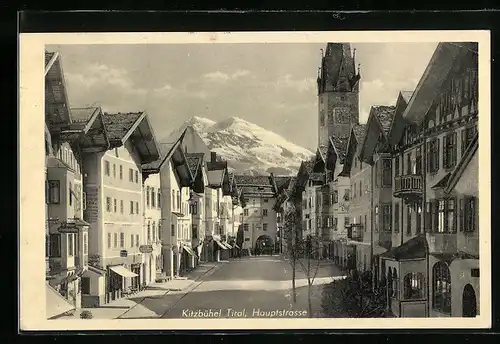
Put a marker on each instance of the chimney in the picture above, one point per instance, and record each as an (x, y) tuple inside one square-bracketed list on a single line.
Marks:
[(213, 156)]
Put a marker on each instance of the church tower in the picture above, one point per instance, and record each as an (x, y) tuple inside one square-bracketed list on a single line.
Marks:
[(338, 92)]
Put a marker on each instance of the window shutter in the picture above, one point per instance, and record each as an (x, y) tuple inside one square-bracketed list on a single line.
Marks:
[(436, 167), (445, 155), (429, 156), (434, 217), (462, 217), (47, 192), (455, 148)]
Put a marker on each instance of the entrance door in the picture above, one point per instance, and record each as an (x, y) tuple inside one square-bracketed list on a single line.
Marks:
[(469, 303)]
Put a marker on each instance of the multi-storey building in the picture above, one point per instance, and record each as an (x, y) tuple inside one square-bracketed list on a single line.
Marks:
[(114, 195), (259, 217), (152, 227), (435, 270), (176, 180), (66, 231), (196, 165)]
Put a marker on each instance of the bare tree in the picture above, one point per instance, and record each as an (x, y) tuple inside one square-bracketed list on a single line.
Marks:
[(290, 227)]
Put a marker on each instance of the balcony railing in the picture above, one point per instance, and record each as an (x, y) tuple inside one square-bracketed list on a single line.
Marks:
[(442, 243), (408, 186), (355, 232)]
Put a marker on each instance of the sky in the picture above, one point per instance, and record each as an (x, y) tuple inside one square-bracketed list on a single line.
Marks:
[(271, 85)]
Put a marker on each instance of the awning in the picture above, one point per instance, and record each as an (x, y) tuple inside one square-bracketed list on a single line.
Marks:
[(221, 245), (56, 304), (189, 250), (122, 271)]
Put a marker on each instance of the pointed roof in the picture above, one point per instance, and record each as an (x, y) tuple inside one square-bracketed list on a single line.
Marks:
[(469, 153), (384, 115), (57, 108), (436, 72), (398, 122), (406, 95), (337, 66), (339, 144)]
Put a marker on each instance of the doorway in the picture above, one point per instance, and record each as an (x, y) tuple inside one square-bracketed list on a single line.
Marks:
[(469, 302)]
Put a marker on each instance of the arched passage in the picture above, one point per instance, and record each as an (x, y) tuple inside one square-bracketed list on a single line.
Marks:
[(469, 302), (264, 244)]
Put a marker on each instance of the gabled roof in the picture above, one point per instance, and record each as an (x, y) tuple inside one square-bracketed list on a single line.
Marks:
[(359, 131), (441, 184), (377, 128), (384, 115), (120, 125), (242, 180), (464, 161), (415, 248), (57, 108), (406, 95), (356, 136), (340, 146), (194, 161), (322, 150), (398, 122), (436, 72), (166, 152)]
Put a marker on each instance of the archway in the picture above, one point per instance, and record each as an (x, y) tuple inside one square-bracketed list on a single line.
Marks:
[(469, 302), (264, 245)]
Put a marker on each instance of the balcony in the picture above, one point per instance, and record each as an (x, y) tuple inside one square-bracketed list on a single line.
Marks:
[(355, 232), (385, 239), (408, 186), (442, 243)]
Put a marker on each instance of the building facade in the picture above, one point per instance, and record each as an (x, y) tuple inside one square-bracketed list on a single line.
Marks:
[(152, 227)]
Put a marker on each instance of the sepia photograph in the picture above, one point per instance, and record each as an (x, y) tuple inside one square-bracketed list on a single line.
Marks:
[(295, 180)]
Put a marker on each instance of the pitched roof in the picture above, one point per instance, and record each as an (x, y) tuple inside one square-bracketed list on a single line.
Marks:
[(384, 114), (415, 248), (406, 95), (467, 156), (340, 145), (166, 150), (323, 150), (119, 124), (83, 114), (442, 182), (282, 182), (359, 131), (242, 180)]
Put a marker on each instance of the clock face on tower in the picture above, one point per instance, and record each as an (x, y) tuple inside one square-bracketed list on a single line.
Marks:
[(341, 114)]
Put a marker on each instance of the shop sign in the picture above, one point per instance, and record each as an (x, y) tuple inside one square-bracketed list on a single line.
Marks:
[(146, 248), (123, 253)]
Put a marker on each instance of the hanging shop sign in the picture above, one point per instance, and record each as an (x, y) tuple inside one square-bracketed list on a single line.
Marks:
[(146, 248), (123, 253)]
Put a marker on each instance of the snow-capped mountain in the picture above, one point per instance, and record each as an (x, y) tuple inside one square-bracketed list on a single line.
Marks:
[(247, 147)]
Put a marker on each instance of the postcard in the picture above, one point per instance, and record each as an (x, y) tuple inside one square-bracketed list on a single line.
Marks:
[(271, 180)]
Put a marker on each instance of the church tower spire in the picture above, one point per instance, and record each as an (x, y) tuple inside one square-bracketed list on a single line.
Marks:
[(338, 92)]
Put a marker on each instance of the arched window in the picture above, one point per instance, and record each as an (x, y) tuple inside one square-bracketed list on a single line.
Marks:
[(441, 281), (414, 285)]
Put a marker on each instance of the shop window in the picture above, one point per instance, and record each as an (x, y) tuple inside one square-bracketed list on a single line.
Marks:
[(441, 280), (414, 286)]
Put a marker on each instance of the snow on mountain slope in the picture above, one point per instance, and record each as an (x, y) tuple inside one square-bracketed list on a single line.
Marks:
[(248, 148)]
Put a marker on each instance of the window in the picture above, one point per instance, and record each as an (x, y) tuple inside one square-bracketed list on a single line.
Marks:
[(335, 223), (245, 227), (108, 204), (266, 201), (194, 231), (433, 155), (445, 221), (84, 200), (172, 230), (106, 168), (149, 231), (114, 205), (121, 172), (137, 240), (466, 137), (173, 199), (360, 188), (85, 288), (137, 207), (450, 150), (418, 161), (408, 219), (121, 206), (178, 199), (158, 203), (137, 177), (245, 212), (115, 240), (264, 226), (85, 243), (53, 192), (131, 240), (396, 217), (194, 208), (122, 240), (247, 239), (55, 245), (70, 189), (322, 118), (154, 231), (396, 166), (114, 170), (109, 240), (116, 153), (131, 207), (264, 212), (468, 210), (147, 196), (376, 218), (346, 195), (386, 217), (353, 190), (418, 229), (386, 173), (441, 280), (413, 286), (347, 221)]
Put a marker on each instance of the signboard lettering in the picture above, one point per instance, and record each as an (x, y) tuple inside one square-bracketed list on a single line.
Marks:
[(123, 253), (146, 248)]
